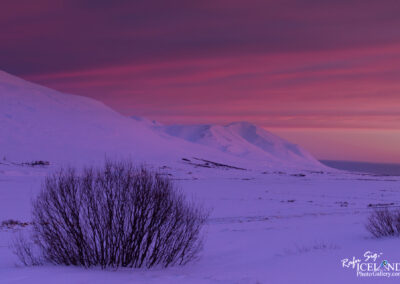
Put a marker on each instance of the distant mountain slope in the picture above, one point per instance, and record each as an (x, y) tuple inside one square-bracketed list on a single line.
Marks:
[(37, 123), (244, 140)]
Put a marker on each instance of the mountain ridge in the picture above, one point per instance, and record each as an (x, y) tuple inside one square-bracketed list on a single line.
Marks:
[(38, 123), (243, 139)]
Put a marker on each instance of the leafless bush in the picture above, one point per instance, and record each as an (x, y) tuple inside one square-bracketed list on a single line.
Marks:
[(118, 215), (26, 251), (384, 222)]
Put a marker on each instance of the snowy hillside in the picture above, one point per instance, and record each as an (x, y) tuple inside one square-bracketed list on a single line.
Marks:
[(37, 123), (244, 140)]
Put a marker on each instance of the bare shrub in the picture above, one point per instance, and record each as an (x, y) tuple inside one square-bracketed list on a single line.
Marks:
[(117, 215), (26, 251), (384, 222)]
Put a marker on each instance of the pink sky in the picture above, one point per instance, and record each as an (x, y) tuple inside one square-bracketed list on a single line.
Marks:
[(324, 74)]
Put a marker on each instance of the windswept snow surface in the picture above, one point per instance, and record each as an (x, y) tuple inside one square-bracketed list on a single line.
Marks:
[(263, 228)]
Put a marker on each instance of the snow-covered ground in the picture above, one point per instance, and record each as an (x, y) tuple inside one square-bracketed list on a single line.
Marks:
[(278, 215), (264, 227)]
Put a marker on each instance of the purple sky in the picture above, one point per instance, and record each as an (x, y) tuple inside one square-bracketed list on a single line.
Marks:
[(321, 73)]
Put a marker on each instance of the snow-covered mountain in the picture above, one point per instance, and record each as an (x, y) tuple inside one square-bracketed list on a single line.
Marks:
[(37, 123), (244, 140)]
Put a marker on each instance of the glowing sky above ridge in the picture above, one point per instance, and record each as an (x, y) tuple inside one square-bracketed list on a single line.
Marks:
[(324, 74)]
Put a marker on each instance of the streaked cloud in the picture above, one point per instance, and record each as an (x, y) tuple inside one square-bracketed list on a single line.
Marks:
[(287, 64)]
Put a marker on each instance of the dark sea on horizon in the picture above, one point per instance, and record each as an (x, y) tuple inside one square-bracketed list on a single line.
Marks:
[(364, 167)]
